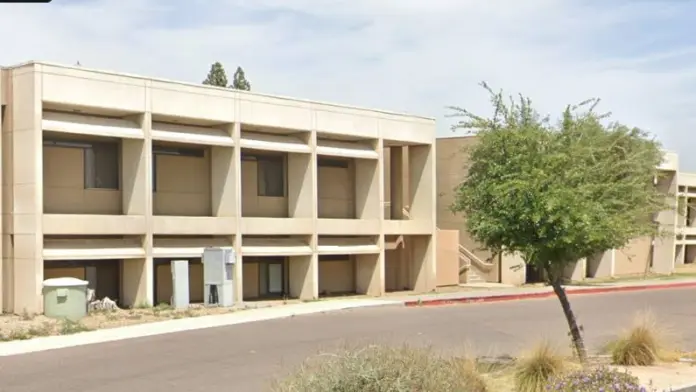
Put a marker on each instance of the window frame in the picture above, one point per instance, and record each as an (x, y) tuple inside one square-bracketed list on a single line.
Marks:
[(262, 160), (87, 149)]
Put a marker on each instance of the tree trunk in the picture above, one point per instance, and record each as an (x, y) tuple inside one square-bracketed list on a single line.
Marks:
[(575, 333)]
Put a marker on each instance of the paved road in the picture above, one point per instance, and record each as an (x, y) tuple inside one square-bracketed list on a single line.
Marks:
[(246, 357)]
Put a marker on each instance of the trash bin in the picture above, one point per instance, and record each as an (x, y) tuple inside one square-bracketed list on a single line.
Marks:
[(65, 298)]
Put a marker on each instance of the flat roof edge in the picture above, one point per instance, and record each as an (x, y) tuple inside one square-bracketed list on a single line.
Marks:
[(136, 76)]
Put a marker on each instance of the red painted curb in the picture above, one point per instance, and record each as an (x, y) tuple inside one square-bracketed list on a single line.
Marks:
[(570, 291)]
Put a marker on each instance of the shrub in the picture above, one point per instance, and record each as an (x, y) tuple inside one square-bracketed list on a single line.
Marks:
[(593, 380), (536, 368), (383, 369), (641, 345)]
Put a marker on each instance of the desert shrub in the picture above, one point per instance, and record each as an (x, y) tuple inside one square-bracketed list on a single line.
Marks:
[(538, 366), (593, 380), (383, 369), (641, 345)]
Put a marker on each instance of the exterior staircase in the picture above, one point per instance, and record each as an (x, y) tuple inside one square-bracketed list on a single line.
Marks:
[(474, 267)]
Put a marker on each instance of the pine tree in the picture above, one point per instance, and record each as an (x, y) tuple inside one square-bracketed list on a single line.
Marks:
[(240, 82), (216, 76)]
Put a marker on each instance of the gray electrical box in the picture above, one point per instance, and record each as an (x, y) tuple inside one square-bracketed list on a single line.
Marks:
[(218, 276), (180, 284)]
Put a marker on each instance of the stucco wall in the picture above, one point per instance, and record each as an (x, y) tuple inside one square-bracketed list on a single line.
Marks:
[(337, 276), (336, 192), (183, 186)]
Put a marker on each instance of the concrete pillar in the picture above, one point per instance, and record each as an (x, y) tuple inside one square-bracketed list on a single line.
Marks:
[(223, 190), (680, 257), (369, 274), (137, 277), (576, 271), (25, 221), (304, 276), (135, 161), (368, 204), (237, 205), (664, 244), (6, 194), (396, 182), (422, 185), (513, 269), (423, 256), (301, 178), (602, 265)]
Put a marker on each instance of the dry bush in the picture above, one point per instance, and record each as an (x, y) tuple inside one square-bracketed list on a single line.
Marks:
[(643, 344), (537, 367), (383, 369), (595, 379)]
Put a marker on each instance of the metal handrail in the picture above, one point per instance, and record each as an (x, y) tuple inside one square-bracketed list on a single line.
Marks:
[(464, 253)]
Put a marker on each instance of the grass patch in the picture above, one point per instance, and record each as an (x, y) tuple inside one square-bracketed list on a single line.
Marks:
[(644, 344), (383, 369), (68, 327), (537, 367)]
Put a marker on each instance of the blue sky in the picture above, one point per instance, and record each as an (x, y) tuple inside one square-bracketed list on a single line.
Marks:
[(417, 56)]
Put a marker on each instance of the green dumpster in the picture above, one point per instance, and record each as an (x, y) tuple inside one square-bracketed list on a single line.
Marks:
[(65, 298)]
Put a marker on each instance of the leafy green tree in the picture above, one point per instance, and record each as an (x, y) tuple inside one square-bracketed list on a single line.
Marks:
[(557, 192), (240, 82), (216, 76)]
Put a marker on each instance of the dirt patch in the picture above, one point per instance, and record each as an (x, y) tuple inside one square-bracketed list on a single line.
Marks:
[(23, 327)]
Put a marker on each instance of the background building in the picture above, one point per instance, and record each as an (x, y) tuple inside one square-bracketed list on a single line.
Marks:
[(664, 255)]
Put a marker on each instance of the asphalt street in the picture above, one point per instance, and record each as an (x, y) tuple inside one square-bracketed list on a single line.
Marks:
[(247, 357)]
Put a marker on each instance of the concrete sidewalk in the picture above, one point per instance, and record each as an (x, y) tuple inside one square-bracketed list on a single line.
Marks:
[(186, 324), (497, 294)]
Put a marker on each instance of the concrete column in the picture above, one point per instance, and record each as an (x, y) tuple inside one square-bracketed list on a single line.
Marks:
[(576, 271), (602, 265), (137, 277), (423, 256), (422, 184), (680, 257), (664, 244), (301, 195), (368, 204), (369, 274), (304, 276), (396, 182), (5, 206), (135, 156), (26, 146), (237, 205), (223, 191)]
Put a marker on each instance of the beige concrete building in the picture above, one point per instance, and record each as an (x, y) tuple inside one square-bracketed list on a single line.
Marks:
[(674, 250), (108, 177)]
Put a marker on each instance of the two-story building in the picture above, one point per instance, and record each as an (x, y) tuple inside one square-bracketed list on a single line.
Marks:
[(108, 177)]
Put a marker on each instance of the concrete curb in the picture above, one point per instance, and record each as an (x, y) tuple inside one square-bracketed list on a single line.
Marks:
[(17, 347), (546, 294)]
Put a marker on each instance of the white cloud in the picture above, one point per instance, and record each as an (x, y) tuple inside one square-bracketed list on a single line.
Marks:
[(407, 55)]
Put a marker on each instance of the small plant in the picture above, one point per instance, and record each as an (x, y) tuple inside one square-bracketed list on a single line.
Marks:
[(26, 316), (45, 329), (142, 305), (69, 327), (384, 369), (598, 379), (642, 345), (536, 368)]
